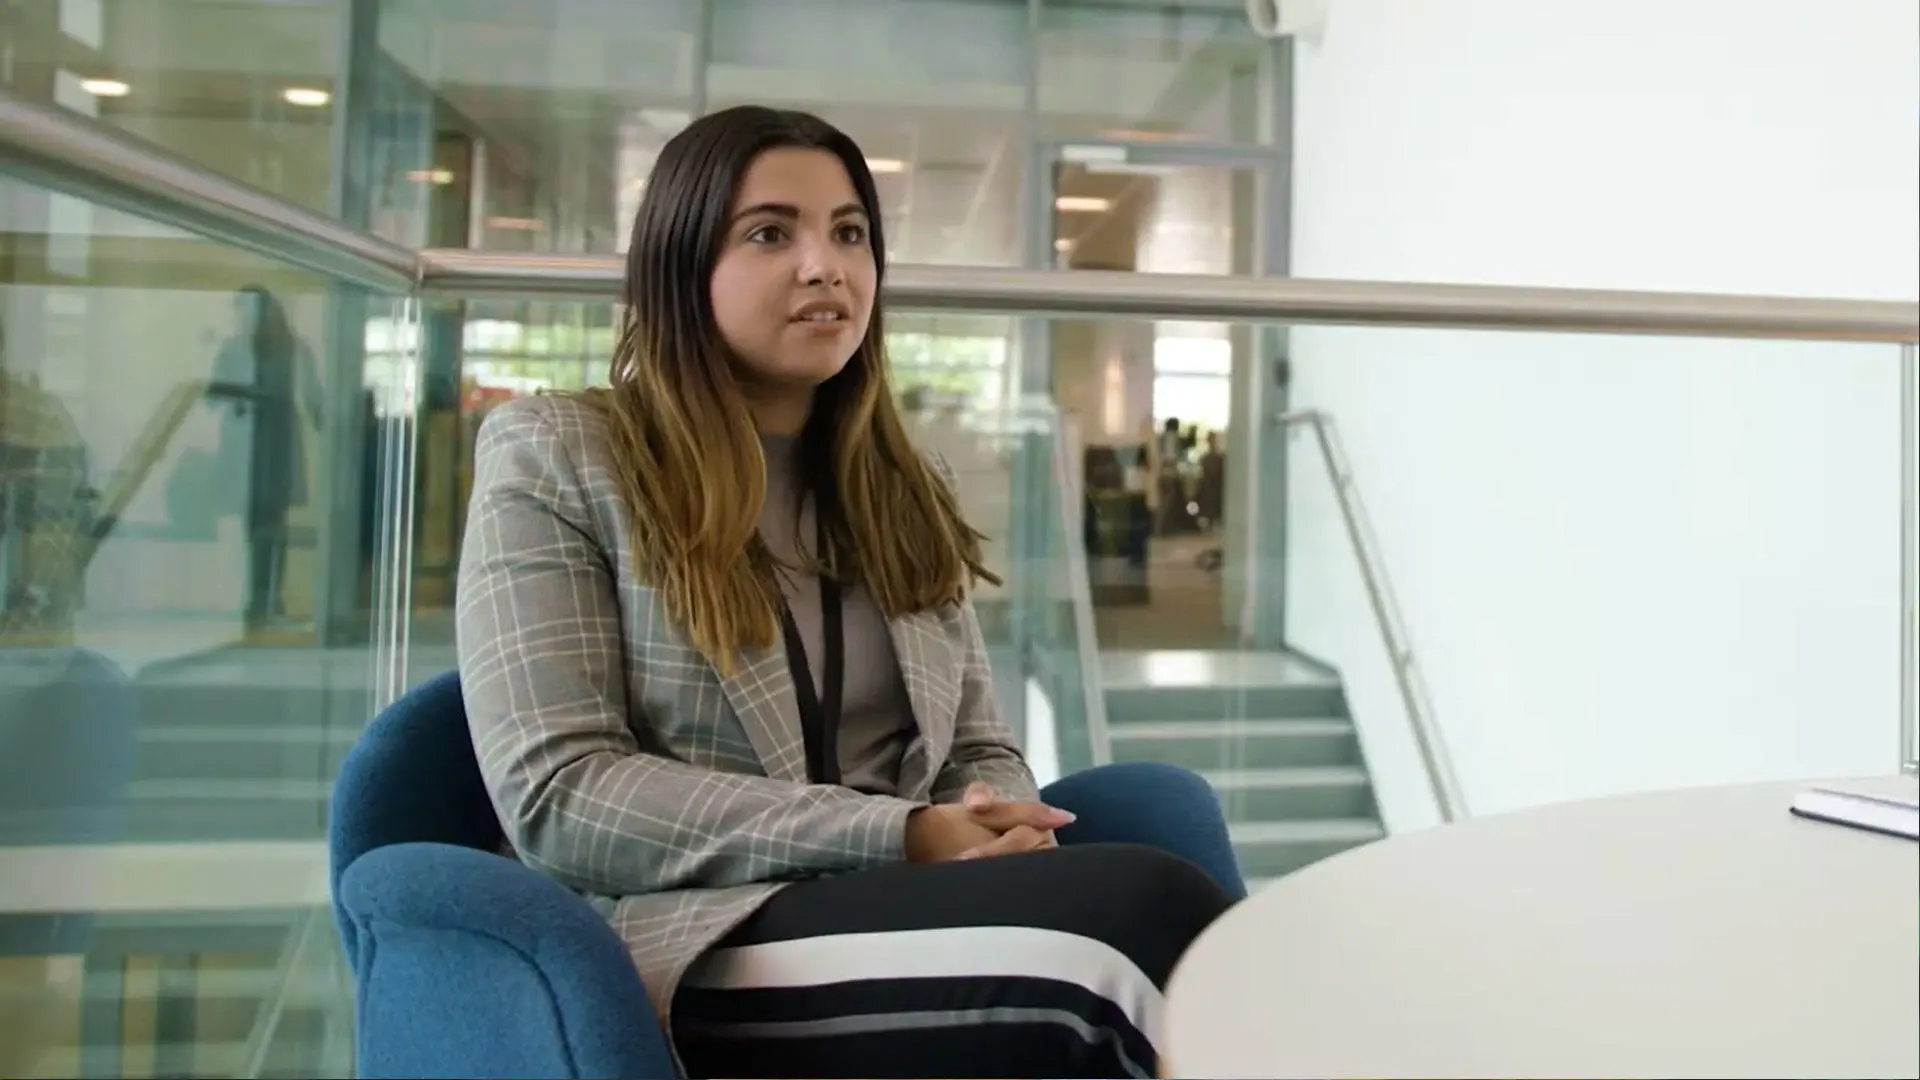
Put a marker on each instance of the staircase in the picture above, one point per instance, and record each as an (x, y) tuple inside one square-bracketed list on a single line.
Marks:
[(244, 745), (1269, 731)]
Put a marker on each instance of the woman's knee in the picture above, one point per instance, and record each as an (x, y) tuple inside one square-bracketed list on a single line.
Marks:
[(1152, 803), (1154, 878), (1155, 784), (1144, 898)]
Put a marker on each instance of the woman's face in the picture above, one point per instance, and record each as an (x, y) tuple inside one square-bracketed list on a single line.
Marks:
[(793, 287)]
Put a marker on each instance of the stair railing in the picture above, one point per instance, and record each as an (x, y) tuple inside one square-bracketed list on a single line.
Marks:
[(1414, 695)]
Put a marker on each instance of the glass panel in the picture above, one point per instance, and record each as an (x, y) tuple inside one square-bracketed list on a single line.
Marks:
[(1610, 564), (243, 89), (499, 127), (541, 127), (1122, 69), (1623, 563), (1051, 600), (1154, 403), (178, 681), (1626, 563), (1154, 218)]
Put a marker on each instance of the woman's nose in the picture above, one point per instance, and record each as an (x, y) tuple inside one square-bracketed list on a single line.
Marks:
[(819, 264)]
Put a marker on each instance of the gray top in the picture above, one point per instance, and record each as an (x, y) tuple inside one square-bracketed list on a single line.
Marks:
[(876, 718)]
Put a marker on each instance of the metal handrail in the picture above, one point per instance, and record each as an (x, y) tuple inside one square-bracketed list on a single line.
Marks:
[(61, 150), (1007, 291), (64, 150), (1447, 793)]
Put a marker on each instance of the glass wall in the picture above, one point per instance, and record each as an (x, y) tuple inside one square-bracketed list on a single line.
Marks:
[(1115, 135), (248, 90), (170, 721), (475, 355), (1137, 135), (560, 107)]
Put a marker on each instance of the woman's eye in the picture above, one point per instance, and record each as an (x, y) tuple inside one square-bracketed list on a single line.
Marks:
[(765, 234), (851, 233)]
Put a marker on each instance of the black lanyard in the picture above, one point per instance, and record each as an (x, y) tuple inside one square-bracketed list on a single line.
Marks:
[(819, 719)]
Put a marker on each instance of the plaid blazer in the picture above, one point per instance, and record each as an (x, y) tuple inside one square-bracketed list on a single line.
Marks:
[(626, 766)]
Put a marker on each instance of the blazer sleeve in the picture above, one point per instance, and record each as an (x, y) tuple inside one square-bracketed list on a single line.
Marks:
[(543, 669), (984, 746)]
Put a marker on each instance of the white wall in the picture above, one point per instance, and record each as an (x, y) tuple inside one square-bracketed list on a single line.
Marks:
[(1625, 562)]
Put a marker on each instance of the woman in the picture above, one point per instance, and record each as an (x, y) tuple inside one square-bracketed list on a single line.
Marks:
[(724, 678), (261, 377)]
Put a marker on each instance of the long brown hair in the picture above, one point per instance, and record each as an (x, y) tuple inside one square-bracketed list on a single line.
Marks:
[(685, 448)]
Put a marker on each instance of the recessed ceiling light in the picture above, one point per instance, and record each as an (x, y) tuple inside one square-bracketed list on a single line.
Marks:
[(885, 165), (306, 95), (431, 176), (105, 87), (1082, 204)]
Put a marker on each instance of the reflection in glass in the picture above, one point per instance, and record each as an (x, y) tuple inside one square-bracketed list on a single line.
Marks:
[(504, 129), (244, 90), (1162, 72), (170, 718)]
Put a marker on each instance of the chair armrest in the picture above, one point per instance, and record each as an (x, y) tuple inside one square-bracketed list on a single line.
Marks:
[(469, 964)]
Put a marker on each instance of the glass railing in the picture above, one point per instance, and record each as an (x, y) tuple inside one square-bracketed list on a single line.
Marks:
[(470, 356), (175, 689), (1634, 539)]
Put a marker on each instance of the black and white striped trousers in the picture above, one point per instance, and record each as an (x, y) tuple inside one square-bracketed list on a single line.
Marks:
[(1046, 964)]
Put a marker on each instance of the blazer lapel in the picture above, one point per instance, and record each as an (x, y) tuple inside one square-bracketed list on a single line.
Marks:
[(761, 693), (929, 667)]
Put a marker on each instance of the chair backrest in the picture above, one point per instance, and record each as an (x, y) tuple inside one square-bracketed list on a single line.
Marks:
[(412, 777)]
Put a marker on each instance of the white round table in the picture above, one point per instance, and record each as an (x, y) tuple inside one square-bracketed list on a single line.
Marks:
[(1693, 933)]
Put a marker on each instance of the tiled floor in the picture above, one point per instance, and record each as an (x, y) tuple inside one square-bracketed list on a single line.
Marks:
[(1185, 610)]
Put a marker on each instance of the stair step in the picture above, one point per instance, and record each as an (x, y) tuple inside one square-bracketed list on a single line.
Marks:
[(1251, 743), (1332, 791), (232, 752), (1348, 831), (1149, 704), (1269, 849)]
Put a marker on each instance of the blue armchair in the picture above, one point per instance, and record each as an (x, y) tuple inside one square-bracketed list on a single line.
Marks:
[(470, 964)]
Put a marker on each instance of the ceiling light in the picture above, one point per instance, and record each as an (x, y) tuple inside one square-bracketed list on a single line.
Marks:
[(306, 95), (885, 165), (1083, 204), (431, 176), (105, 87), (519, 224)]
